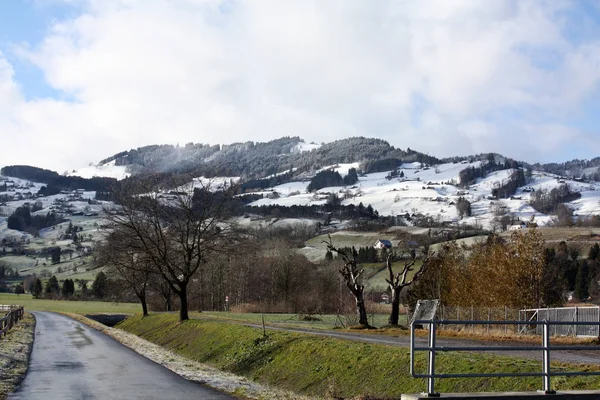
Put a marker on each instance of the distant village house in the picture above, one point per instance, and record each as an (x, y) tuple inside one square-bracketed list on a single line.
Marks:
[(383, 244)]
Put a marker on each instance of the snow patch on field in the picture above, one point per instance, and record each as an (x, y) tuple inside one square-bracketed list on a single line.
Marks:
[(432, 191), (108, 170), (302, 147)]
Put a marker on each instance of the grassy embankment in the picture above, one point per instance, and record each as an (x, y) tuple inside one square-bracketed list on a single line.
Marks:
[(15, 349), (316, 365)]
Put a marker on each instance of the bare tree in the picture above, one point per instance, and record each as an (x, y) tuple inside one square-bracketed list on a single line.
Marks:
[(163, 288), (351, 275), (398, 281), (121, 255), (177, 233)]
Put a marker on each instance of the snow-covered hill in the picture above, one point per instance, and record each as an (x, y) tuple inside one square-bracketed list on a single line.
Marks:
[(432, 191), (420, 190)]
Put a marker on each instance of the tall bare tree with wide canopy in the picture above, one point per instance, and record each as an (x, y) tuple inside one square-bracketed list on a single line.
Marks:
[(178, 232)]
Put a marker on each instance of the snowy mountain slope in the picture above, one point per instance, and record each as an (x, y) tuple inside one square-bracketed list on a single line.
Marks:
[(431, 191), (108, 170)]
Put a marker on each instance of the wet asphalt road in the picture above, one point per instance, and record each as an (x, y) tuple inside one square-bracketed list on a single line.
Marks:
[(72, 361)]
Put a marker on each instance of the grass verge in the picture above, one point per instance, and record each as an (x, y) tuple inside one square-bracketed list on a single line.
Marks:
[(327, 367), (15, 349)]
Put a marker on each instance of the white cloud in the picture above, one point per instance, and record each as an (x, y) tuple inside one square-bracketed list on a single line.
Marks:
[(488, 75)]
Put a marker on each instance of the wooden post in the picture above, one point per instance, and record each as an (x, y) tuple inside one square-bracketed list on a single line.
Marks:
[(263, 324)]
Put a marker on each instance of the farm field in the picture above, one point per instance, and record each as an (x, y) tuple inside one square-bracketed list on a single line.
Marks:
[(580, 238), (376, 280), (77, 307), (75, 268)]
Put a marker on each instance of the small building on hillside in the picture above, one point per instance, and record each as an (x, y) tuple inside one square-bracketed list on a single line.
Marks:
[(383, 244), (516, 227)]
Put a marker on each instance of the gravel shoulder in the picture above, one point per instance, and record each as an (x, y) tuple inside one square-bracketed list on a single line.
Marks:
[(192, 370), (15, 350)]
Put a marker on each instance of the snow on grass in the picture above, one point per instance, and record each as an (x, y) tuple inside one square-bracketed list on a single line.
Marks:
[(108, 170), (431, 191), (212, 184), (291, 188), (302, 147), (588, 204), (280, 173)]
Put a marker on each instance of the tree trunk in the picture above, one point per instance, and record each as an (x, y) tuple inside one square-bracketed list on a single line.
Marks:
[(183, 307), (395, 314), (168, 303), (363, 319), (144, 306)]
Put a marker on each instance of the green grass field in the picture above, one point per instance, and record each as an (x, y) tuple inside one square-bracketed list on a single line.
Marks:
[(77, 307)]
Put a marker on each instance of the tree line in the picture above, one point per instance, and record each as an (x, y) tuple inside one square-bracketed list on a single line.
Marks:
[(65, 289), (546, 202), (55, 180), (519, 272), (329, 178), (22, 220)]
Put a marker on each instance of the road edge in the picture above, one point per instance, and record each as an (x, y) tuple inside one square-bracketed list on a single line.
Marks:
[(189, 369)]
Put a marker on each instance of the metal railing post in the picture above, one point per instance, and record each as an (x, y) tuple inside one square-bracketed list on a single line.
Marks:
[(546, 357), (576, 320), (412, 348), (431, 379)]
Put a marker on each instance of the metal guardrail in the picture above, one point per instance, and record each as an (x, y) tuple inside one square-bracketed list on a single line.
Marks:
[(12, 316), (545, 349)]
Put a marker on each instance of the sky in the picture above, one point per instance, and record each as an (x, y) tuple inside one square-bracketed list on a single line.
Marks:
[(81, 80)]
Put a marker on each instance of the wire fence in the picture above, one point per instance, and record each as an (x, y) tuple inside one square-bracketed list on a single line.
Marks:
[(561, 314), (565, 314)]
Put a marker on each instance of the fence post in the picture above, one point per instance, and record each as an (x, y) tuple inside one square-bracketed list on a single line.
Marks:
[(505, 319), (472, 319), (431, 370), (546, 358), (457, 317), (488, 325), (576, 320)]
